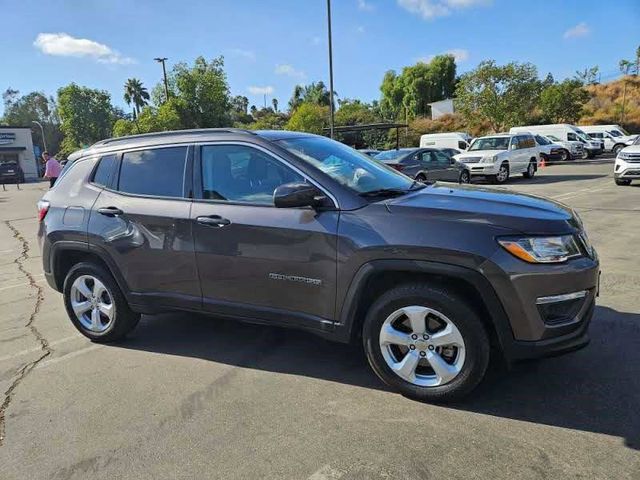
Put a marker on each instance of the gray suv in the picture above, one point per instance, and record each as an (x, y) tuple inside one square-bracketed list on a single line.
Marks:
[(297, 230)]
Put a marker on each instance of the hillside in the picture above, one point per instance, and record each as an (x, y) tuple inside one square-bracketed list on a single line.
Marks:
[(605, 106)]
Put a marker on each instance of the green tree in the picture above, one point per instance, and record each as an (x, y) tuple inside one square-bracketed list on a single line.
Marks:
[(417, 86), (309, 117), (355, 112), (204, 91), (86, 116), (503, 96), (151, 119), (563, 102), (316, 93), (135, 93), (35, 106), (588, 76), (274, 103)]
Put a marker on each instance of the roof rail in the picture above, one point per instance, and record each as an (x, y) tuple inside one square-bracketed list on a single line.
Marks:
[(170, 133)]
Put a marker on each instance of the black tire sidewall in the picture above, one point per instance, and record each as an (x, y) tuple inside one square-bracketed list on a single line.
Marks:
[(124, 319), (467, 322), (496, 178), (465, 174)]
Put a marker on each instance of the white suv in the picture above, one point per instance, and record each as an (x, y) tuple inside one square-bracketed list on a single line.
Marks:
[(500, 156), (627, 166)]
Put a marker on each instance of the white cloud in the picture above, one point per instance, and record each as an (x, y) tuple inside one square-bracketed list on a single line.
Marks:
[(246, 54), (266, 90), (459, 54), (365, 6), (430, 9), (64, 45), (290, 71), (580, 30)]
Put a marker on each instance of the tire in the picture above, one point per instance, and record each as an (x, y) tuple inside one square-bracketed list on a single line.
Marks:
[(617, 148), (622, 182), (469, 362), (531, 170), (90, 278), (586, 155), (465, 177), (421, 178), (565, 156), (499, 178)]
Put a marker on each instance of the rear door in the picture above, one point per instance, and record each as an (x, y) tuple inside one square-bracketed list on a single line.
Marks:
[(254, 259), (141, 222)]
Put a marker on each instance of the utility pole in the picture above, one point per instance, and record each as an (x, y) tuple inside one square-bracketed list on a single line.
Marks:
[(44, 140), (164, 73), (331, 107)]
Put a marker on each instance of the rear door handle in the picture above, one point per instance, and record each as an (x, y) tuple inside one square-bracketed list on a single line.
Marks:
[(110, 211), (213, 221)]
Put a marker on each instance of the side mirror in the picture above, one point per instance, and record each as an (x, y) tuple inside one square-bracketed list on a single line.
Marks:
[(513, 146), (299, 194)]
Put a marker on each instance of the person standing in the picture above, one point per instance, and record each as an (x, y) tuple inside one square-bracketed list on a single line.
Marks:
[(52, 168)]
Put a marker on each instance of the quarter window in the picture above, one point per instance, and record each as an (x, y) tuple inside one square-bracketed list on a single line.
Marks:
[(158, 172), (238, 173), (104, 171)]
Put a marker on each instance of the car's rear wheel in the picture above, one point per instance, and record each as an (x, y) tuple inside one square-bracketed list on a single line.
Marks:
[(622, 182), (564, 156), (95, 304), (585, 155), (617, 148), (503, 174), (531, 170), (426, 342), (465, 177)]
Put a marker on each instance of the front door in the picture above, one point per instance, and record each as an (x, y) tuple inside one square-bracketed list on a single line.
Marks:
[(141, 221), (254, 259)]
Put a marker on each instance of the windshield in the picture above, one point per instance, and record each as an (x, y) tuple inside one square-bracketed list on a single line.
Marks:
[(346, 165), (541, 140), (614, 133), (554, 138), (392, 154), (490, 143)]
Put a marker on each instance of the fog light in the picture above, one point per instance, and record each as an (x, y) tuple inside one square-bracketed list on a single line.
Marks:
[(558, 309)]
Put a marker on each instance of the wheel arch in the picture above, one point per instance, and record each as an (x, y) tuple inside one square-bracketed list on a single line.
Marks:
[(377, 276)]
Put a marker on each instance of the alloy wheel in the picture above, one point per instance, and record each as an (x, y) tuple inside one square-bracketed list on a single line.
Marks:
[(464, 177), (503, 174), (92, 303), (422, 346)]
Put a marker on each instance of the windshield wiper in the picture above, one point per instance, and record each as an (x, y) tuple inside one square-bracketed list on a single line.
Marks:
[(392, 192)]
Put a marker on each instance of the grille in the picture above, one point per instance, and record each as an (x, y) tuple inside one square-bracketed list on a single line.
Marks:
[(470, 159), (633, 158)]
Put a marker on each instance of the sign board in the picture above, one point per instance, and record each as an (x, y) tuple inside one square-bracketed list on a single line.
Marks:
[(7, 138)]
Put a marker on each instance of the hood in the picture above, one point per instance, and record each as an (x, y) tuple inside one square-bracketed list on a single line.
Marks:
[(520, 213), (480, 153)]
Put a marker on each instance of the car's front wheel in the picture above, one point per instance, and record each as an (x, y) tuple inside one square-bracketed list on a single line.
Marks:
[(95, 304), (617, 148), (531, 170), (503, 174), (426, 342), (465, 177)]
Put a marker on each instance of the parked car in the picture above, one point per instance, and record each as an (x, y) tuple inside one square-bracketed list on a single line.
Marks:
[(612, 140), (426, 164), (627, 164), (572, 150), (298, 230), (550, 151), (564, 132), (500, 156), (451, 151), (371, 152), (11, 172), (459, 140)]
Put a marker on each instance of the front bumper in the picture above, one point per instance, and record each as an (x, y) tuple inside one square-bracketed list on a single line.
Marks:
[(534, 332), (626, 170), (482, 168)]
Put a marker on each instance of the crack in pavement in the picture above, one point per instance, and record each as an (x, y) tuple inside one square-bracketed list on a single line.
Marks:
[(44, 344)]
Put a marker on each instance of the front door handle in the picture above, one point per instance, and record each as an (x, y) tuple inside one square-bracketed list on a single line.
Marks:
[(110, 211), (213, 221)]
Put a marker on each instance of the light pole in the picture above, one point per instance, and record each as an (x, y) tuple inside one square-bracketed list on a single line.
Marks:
[(330, 70), (44, 140), (164, 73)]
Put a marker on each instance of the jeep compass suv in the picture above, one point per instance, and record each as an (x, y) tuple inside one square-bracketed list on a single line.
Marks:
[(297, 230)]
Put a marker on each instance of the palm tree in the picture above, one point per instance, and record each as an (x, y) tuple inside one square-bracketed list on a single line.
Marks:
[(274, 102), (135, 93)]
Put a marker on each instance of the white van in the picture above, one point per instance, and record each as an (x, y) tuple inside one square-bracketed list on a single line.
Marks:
[(457, 140), (615, 138), (565, 132)]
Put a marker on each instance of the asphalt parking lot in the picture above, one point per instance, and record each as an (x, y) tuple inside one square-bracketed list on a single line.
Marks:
[(192, 397)]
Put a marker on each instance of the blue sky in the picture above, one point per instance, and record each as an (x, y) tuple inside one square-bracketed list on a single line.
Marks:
[(273, 45)]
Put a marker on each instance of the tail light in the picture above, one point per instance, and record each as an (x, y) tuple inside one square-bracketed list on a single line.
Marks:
[(397, 166), (43, 208)]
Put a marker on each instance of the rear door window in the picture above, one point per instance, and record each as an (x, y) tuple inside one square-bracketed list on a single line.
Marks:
[(156, 172)]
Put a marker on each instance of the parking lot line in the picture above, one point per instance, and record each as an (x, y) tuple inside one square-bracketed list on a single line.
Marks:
[(37, 349), (68, 356), (21, 284)]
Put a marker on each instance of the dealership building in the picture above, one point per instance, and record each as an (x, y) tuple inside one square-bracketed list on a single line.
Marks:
[(16, 145)]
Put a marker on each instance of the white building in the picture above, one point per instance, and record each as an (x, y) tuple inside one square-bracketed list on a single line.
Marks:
[(16, 144), (443, 107)]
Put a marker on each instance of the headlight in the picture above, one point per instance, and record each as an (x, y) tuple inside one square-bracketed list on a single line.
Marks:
[(542, 249), (492, 159), (624, 156)]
